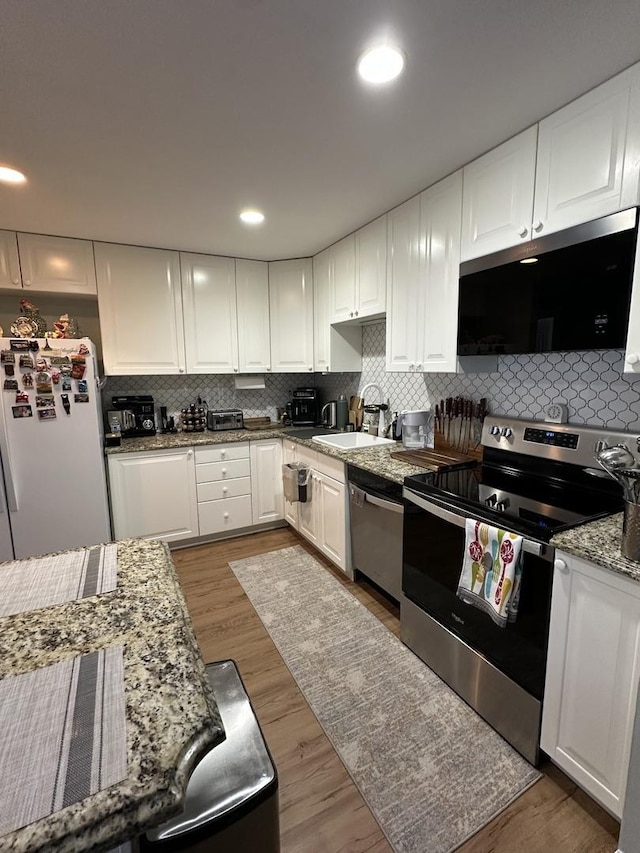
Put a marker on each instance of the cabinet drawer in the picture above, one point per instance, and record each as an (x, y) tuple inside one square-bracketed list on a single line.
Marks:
[(210, 471), (307, 456), (230, 514), (223, 489), (222, 453), (331, 467)]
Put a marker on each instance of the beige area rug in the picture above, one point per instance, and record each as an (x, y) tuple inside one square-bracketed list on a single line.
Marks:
[(431, 770)]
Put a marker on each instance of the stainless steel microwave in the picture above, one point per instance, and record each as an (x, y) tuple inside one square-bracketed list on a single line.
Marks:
[(566, 291)]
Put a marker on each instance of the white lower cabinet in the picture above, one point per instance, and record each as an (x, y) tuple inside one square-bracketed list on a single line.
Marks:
[(322, 518), (153, 494), (593, 671), (266, 480), (223, 477)]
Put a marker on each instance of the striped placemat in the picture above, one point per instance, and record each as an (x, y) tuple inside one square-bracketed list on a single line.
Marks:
[(45, 581), (63, 735)]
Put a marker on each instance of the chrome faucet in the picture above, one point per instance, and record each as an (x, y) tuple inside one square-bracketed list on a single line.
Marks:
[(381, 422)]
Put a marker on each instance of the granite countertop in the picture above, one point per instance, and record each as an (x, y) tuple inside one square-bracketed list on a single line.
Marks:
[(374, 459), (599, 543), (171, 715)]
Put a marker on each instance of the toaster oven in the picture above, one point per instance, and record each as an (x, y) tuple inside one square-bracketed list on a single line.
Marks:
[(224, 419)]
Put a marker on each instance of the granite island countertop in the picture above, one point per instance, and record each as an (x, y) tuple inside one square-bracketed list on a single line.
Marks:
[(377, 460), (171, 715), (599, 543)]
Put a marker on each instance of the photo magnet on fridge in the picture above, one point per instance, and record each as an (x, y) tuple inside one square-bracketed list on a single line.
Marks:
[(80, 398), (46, 414), (22, 411), (45, 401), (10, 385), (83, 386)]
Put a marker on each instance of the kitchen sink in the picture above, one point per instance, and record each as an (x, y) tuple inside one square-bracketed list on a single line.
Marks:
[(352, 440)]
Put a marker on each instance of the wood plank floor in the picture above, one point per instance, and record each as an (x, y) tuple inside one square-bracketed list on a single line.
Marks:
[(321, 809)]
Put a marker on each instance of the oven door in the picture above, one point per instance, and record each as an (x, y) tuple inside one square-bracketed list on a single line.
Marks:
[(433, 550)]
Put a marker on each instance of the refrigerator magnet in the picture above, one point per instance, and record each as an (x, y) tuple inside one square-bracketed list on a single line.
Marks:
[(9, 369), (47, 414), (27, 380), (66, 405), (77, 371), (10, 384), (60, 361), (80, 398), (20, 344), (43, 382), (26, 360), (83, 349), (83, 386), (41, 364), (45, 401), (66, 383), (55, 377), (7, 357), (22, 411), (21, 397)]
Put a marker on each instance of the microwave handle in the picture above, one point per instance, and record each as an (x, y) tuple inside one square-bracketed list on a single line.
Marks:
[(528, 546)]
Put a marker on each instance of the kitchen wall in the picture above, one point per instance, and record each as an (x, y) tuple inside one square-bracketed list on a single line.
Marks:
[(590, 383)]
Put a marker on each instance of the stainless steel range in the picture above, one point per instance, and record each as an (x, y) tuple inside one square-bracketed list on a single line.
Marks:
[(535, 479)]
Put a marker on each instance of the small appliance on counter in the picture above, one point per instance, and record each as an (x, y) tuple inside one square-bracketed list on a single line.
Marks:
[(417, 429), (132, 415), (328, 414), (167, 423), (221, 419), (304, 407)]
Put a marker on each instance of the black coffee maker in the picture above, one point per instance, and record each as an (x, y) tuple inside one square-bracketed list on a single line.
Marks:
[(135, 415), (304, 407)]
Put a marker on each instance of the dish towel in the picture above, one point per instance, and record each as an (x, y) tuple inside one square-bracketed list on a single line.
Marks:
[(491, 571)]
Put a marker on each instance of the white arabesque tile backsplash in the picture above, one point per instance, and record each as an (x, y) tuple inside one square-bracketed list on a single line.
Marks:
[(590, 383)]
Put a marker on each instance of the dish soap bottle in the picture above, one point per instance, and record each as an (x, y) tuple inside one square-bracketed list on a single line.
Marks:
[(342, 412)]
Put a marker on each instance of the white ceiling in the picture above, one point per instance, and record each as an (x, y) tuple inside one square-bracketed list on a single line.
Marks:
[(155, 121)]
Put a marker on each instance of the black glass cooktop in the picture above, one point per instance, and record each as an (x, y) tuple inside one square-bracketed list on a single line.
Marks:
[(534, 504)]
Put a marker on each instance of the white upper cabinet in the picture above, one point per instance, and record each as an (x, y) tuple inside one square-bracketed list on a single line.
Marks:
[(371, 269), (51, 264), (291, 315), (582, 171), (440, 212), (498, 197), (140, 304), (336, 348), (210, 316), (342, 276), (9, 262), (252, 298), (403, 292)]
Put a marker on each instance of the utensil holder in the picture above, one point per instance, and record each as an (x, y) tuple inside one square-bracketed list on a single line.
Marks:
[(630, 545)]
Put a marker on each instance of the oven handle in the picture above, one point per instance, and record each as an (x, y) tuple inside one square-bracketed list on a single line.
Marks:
[(528, 545)]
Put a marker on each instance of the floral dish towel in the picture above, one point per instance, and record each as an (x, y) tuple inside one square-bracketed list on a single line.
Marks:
[(491, 571)]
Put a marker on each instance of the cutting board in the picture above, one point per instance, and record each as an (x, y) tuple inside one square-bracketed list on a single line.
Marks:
[(433, 459), (261, 423)]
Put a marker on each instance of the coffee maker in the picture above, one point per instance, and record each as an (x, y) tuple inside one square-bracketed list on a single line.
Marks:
[(132, 415), (304, 407)]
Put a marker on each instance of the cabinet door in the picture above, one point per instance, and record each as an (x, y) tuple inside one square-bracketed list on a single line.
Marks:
[(404, 259), (309, 513), (266, 480), (252, 296), (593, 670), (57, 264), (498, 197), (581, 158), (371, 268), (343, 280), (321, 312), (153, 495), (140, 304), (289, 455), (440, 210), (9, 263), (210, 316), (291, 316), (332, 527)]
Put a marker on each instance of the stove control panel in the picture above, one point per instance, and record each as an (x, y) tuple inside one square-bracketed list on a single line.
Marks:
[(549, 436)]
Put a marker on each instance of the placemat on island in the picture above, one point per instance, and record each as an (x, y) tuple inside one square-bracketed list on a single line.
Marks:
[(44, 581), (63, 735)]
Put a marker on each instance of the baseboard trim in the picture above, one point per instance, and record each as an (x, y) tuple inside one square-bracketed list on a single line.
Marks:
[(232, 534)]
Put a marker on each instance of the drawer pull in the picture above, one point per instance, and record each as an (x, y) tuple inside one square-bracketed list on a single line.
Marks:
[(225, 490), (226, 515)]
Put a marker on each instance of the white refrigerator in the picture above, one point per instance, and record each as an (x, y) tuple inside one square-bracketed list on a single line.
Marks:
[(53, 488)]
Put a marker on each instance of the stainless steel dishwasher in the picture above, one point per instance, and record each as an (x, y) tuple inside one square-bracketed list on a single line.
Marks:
[(376, 515)]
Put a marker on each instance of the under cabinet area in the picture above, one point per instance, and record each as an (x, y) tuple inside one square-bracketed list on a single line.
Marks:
[(593, 672), (153, 494)]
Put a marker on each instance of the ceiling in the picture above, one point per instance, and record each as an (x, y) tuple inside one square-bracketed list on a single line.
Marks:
[(154, 122)]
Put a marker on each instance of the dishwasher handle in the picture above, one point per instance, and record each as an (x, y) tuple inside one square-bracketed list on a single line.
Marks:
[(360, 496), (528, 546)]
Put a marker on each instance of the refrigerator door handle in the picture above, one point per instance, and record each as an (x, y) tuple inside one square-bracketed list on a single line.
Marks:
[(12, 497)]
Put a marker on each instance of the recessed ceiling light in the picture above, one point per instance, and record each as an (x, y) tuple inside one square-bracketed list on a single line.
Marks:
[(11, 176), (381, 64), (252, 217), (529, 261)]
